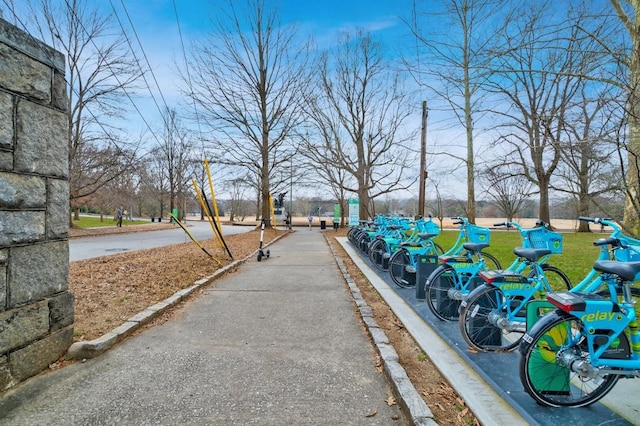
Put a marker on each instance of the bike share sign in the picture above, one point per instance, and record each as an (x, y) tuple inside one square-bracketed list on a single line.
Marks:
[(354, 211)]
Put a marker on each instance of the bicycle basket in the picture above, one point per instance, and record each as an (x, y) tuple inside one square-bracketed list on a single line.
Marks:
[(430, 227), (478, 234), (543, 238), (628, 254)]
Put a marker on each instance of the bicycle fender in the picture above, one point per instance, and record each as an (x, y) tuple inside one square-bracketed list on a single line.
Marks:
[(475, 291), (531, 335), (433, 274)]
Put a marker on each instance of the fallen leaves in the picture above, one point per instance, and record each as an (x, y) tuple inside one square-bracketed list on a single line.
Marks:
[(110, 289)]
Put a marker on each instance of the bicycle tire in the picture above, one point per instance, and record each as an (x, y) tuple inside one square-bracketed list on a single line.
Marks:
[(402, 271), (438, 285), (558, 280), (377, 252), (477, 327), (373, 249), (363, 242), (551, 383)]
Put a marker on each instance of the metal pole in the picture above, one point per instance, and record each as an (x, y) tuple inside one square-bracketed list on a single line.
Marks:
[(291, 189), (423, 160)]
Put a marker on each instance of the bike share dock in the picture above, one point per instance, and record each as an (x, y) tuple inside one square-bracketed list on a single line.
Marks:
[(488, 381)]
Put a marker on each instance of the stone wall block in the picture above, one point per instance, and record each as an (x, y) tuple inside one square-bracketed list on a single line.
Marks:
[(22, 191), (59, 91), (21, 326), (57, 209), (19, 227), (3, 288), (23, 42), (6, 160), (61, 311), (33, 80), (37, 271), (39, 131), (6, 120), (31, 360), (6, 381)]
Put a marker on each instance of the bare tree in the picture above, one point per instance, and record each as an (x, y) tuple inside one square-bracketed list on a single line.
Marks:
[(628, 13), (508, 190), (100, 72), (457, 67), (359, 113), (175, 157), (539, 73), (588, 169), (247, 80)]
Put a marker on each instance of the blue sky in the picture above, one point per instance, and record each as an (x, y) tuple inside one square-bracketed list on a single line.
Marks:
[(156, 25)]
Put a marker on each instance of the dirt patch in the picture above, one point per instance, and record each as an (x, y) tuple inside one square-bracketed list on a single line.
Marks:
[(108, 290)]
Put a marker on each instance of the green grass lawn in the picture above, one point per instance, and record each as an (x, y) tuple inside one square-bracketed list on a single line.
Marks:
[(94, 222), (576, 261)]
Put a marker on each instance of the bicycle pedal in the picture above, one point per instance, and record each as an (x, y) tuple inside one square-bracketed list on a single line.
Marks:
[(410, 269)]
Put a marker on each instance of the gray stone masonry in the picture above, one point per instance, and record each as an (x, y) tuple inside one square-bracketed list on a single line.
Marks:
[(36, 307)]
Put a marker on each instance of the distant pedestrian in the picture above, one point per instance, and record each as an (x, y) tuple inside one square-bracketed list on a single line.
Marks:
[(288, 220), (310, 219), (119, 214)]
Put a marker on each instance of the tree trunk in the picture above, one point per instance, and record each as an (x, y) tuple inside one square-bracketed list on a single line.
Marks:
[(544, 201), (631, 217)]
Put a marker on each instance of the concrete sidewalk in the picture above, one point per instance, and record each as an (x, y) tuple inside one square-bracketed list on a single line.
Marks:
[(276, 342)]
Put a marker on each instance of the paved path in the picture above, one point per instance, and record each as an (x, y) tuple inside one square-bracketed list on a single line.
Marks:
[(277, 342)]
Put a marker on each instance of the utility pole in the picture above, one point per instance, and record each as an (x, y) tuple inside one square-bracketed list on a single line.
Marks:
[(423, 160)]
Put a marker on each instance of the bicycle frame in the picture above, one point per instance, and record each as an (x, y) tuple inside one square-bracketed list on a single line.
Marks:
[(609, 345)]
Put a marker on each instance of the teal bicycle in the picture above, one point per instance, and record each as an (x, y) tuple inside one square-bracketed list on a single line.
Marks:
[(451, 283), (493, 317), (403, 264), (574, 356)]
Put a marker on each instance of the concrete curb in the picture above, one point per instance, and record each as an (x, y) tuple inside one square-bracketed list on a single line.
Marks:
[(92, 348), (408, 397)]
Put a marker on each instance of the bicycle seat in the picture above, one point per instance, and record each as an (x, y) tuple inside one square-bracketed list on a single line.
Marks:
[(394, 227), (625, 270), (474, 247), (426, 236), (410, 244), (531, 254)]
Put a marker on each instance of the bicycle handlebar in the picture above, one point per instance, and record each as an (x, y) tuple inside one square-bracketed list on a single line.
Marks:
[(624, 240), (612, 241)]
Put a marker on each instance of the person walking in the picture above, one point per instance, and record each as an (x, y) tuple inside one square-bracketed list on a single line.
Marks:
[(310, 219), (119, 214)]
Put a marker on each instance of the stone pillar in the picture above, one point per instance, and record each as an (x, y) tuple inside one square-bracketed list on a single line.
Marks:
[(36, 307)]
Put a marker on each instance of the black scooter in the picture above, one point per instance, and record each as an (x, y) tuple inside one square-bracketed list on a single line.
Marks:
[(262, 253)]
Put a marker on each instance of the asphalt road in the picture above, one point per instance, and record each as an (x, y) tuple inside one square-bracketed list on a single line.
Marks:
[(90, 247)]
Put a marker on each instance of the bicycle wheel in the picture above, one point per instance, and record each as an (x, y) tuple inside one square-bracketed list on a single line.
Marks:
[(557, 279), (544, 372), (490, 262), (363, 242), (484, 323), (377, 252), (439, 286), (402, 270)]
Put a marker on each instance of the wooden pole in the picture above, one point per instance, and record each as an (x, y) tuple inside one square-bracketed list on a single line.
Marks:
[(423, 160)]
